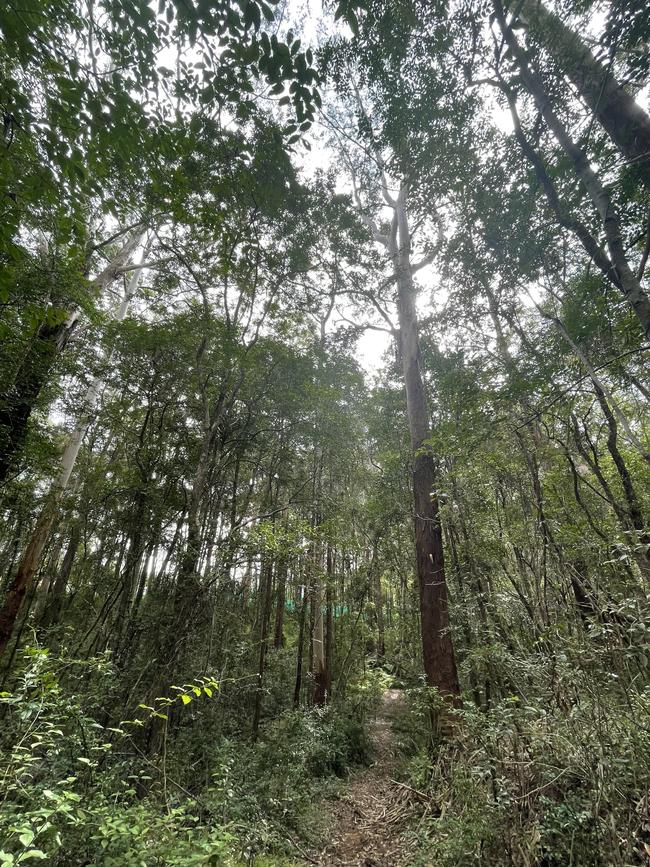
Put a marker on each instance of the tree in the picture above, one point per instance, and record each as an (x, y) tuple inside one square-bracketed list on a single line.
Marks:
[(437, 647)]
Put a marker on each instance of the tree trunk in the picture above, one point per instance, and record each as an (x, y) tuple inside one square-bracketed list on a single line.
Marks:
[(437, 648), (626, 279), (17, 404), (281, 596), (329, 639), (640, 544), (375, 580), (300, 649), (266, 600), (131, 569), (49, 341), (319, 669), (626, 123), (31, 558), (583, 594), (323, 661), (52, 611), (27, 567)]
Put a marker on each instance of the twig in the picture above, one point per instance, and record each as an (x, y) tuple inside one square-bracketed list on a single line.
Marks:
[(299, 848), (410, 789)]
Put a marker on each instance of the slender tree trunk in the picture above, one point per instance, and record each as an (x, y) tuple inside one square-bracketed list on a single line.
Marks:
[(626, 123), (329, 638), (31, 558), (602, 391), (300, 648), (322, 656), (145, 573), (281, 597), (637, 519), (562, 212), (626, 279), (188, 585), (583, 595), (626, 519), (437, 648), (266, 600), (54, 605), (44, 587), (318, 639), (375, 580), (17, 532), (131, 569)]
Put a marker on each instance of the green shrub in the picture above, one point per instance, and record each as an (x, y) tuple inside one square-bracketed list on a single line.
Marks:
[(75, 791), (558, 779)]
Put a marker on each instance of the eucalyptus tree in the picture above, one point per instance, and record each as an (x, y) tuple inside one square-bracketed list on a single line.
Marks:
[(372, 170), (89, 112), (626, 121), (31, 557), (432, 74), (524, 53), (612, 256)]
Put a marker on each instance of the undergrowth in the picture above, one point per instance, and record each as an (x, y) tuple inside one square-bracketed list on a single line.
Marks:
[(555, 774), (77, 789)]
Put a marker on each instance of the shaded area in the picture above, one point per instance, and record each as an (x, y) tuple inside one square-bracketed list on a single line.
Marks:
[(367, 823)]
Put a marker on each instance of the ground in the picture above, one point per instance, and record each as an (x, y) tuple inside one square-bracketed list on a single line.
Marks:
[(366, 823)]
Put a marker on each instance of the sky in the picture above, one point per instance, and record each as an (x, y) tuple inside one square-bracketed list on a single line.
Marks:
[(308, 21)]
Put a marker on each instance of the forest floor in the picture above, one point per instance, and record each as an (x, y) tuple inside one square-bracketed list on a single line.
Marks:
[(366, 824)]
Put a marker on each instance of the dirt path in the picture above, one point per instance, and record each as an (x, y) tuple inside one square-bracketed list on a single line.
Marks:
[(366, 822)]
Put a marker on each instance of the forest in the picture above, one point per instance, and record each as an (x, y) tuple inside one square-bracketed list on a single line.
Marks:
[(324, 433)]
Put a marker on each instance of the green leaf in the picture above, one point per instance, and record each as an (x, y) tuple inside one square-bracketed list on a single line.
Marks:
[(252, 16), (185, 698)]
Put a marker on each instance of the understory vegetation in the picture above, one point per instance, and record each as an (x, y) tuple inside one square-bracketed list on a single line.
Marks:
[(80, 790), (324, 373)]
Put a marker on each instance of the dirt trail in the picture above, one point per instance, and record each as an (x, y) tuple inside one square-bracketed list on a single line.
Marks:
[(366, 822)]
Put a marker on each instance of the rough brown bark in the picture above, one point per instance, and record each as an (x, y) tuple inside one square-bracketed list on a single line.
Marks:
[(25, 574), (437, 647), (17, 403)]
